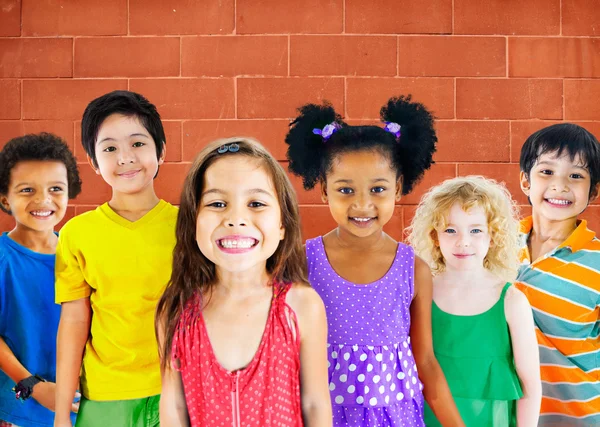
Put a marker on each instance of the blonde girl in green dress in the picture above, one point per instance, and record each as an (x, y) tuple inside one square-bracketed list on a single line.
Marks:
[(483, 331)]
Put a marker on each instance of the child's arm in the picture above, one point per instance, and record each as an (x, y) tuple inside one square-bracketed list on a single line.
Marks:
[(527, 357), (73, 332), (314, 383), (436, 391), (173, 409)]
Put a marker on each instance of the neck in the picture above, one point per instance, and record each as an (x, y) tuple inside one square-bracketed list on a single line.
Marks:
[(465, 277), (545, 230), (142, 201), (240, 284), (350, 241), (38, 241)]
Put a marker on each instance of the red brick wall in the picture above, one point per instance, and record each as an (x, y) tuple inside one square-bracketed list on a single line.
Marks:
[(492, 71)]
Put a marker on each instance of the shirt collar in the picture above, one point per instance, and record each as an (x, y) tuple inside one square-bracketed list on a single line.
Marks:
[(576, 241)]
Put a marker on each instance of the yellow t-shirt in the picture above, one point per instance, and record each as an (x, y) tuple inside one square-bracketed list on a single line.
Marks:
[(123, 267)]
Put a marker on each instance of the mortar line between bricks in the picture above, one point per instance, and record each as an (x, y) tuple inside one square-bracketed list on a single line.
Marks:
[(455, 97), (507, 53), (452, 16), (343, 16), (289, 54), (234, 17), (510, 130), (235, 98), (560, 22), (397, 56), (180, 55), (73, 58), (90, 36), (128, 15), (22, 106)]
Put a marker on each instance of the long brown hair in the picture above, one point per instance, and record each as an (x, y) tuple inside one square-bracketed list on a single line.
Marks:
[(193, 273)]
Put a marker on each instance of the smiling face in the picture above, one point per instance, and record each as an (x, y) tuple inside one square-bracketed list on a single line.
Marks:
[(465, 240), (126, 154), (37, 194), (238, 226), (558, 187), (361, 190)]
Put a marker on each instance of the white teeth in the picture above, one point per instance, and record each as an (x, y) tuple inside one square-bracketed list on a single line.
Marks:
[(361, 219), (41, 213), (237, 244), (559, 202)]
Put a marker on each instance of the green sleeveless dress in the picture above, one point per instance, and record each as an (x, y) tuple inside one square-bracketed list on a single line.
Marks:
[(475, 353)]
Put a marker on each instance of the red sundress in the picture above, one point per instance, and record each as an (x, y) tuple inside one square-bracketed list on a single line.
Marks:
[(266, 393)]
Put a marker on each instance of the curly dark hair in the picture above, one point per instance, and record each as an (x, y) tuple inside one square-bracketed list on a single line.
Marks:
[(38, 147), (410, 156)]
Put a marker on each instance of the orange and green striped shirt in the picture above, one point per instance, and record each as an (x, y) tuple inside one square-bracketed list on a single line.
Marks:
[(563, 288)]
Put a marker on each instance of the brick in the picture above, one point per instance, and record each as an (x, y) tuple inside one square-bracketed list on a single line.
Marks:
[(36, 57), (472, 141), (507, 173), (450, 56), (592, 216), (554, 57), (365, 97), (173, 136), (10, 17), (169, 182), (437, 174), (580, 18), (390, 17), (280, 97), (94, 190), (508, 98), (63, 99), (158, 17), (234, 56), (532, 17), (520, 131), (280, 17), (271, 133), (342, 55), (189, 98), (82, 17), (10, 101), (312, 197), (127, 57), (316, 221), (581, 99), (9, 129)]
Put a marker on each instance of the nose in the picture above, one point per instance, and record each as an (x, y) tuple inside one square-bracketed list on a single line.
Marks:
[(126, 156), (559, 184), (363, 201), (42, 196), (235, 217), (462, 241)]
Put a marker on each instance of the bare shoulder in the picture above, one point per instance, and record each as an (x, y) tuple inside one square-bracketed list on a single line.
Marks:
[(421, 267), (304, 300), (516, 304)]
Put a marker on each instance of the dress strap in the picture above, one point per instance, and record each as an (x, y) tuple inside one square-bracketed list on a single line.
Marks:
[(504, 289)]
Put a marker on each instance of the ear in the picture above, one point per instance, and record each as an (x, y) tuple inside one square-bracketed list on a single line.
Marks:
[(594, 193), (161, 159), (323, 191), (281, 232), (93, 165), (4, 202), (399, 188), (524, 181)]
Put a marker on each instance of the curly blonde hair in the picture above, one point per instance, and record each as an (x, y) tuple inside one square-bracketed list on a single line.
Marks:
[(469, 191)]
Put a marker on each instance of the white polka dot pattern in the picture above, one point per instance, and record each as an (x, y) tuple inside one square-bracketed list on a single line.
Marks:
[(373, 378)]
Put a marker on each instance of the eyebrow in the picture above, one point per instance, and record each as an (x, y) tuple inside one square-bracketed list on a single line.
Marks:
[(553, 163), (470, 225), (349, 181), (50, 183), (251, 191), (130, 136)]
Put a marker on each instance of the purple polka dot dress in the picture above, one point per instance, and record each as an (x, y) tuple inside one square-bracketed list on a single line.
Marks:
[(373, 377)]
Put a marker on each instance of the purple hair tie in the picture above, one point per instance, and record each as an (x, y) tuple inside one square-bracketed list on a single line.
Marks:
[(328, 130), (393, 128)]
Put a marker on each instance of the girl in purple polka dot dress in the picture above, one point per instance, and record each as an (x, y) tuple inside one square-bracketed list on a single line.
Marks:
[(377, 293)]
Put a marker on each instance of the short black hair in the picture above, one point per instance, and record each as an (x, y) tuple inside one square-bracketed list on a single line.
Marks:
[(410, 155), (562, 138), (120, 102), (38, 147)]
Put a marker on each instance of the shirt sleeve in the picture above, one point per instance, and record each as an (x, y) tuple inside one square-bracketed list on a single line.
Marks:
[(70, 280)]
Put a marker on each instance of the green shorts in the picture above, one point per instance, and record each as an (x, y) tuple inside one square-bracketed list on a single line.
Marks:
[(122, 413)]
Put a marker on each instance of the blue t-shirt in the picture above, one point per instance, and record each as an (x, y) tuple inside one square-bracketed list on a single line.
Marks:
[(28, 324)]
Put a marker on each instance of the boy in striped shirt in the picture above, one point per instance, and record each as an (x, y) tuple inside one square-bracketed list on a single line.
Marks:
[(560, 270)]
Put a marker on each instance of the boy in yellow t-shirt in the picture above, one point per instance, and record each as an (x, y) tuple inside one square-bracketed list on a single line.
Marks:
[(112, 266)]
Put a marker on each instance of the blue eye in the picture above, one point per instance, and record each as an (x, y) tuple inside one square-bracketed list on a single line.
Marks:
[(378, 189), (449, 231), (346, 190), (476, 231)]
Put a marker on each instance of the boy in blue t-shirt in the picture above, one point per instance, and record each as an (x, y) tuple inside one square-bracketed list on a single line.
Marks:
[(38, 176)]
